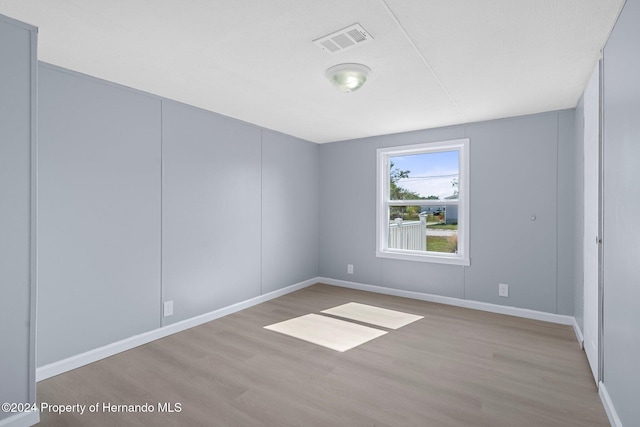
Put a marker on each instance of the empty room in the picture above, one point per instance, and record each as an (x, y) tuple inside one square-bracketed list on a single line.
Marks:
[(319, 213)]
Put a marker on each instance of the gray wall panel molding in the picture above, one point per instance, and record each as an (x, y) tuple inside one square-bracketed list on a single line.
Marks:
[(119, 87), (621, 322), (19, 24), (185, 186), (86, 77), (18, 214)]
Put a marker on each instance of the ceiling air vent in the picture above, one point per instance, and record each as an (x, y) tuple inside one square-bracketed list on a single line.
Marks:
[(347, 38)]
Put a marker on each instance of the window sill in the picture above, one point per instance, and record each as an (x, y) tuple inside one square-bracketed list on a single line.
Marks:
[(409, 256)]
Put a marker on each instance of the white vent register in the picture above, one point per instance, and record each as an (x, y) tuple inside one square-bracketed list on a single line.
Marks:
[(347, 38)]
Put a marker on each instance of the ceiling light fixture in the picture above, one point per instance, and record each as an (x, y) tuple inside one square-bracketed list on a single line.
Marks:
[(348, 77)]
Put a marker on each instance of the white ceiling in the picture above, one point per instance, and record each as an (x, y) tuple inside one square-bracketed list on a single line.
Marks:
[(434, 62)]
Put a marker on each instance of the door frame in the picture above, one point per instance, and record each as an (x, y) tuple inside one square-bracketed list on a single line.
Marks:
[(593, 280), (600, 378)]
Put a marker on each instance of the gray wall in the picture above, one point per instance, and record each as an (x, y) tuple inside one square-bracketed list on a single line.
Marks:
[(99, 225), (514, 173), (569, 213), (17, 279), (144, 199), (290, 175), (211, 210), (621, 215)]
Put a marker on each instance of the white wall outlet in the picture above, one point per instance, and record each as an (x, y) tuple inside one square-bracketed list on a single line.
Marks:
[(349, 268), (168, 308), (503, 290)]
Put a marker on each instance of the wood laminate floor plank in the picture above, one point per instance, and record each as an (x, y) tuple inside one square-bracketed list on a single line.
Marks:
[(455, 367)]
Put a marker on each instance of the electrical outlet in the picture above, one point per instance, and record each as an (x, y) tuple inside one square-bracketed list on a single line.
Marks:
[(168, 308), (503, 290), (349, 268)]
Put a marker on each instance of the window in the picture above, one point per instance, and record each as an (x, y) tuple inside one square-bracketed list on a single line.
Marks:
[(422, 202)]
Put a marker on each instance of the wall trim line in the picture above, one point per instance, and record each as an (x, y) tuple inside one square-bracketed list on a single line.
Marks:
[(23, 419), (475, 305), (578, 332), (79, 360), (608, 406)]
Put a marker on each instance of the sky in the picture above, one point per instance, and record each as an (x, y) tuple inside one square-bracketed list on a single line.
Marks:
[(430, 173)]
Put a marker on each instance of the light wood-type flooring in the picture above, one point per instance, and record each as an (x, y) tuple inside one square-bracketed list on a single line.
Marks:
[(455, 367)]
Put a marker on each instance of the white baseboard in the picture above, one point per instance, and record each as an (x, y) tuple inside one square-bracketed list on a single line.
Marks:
[(578, 332), (56, 368), (608, 406), (22, 419), (73, 362), (476, 305)]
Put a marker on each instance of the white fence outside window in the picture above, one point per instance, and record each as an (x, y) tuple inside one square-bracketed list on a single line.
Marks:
[(411, 235)]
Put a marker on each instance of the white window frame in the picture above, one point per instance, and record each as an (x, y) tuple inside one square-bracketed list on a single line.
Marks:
[(383, 203)]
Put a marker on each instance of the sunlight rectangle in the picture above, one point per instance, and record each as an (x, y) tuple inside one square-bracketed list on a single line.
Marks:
[(390, 319), (326, 331)]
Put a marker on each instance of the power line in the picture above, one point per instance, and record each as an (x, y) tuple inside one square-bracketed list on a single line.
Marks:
[(453, 175)]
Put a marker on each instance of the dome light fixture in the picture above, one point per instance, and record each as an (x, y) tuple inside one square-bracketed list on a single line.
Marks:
[(348, 77)]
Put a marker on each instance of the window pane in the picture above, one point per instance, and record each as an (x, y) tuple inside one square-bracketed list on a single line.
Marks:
[(422, 202), (423, 228), (427, 176)]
